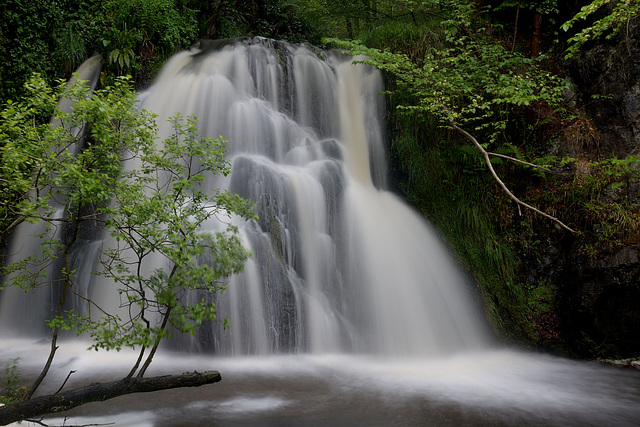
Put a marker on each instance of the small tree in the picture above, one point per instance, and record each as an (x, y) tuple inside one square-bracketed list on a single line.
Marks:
[(103, 164)]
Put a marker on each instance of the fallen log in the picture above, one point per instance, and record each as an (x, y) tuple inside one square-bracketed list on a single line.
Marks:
[(98, 392)]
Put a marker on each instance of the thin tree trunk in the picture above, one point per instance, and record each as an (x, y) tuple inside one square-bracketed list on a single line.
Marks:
[(155, 346), (56, 330), (138, 360), (515, 28), (152, 353), (536, 39)]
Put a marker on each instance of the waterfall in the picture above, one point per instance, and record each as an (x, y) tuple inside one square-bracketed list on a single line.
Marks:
[(340, 264)]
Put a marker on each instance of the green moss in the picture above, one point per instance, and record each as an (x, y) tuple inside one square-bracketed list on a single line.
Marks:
[(541, 297)]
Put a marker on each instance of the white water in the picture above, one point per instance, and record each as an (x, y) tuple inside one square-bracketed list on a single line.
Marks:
[(341, 265), (351, 311), (477, 388)]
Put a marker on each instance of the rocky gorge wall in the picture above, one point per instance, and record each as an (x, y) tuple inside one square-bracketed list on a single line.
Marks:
[(596, 273)]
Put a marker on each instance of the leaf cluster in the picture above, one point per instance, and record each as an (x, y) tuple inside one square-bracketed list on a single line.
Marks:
[(153, 24), (621, 11), (12, 390)]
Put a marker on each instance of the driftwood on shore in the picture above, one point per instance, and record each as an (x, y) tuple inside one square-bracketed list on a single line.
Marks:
[(624, 363), (97, 392)]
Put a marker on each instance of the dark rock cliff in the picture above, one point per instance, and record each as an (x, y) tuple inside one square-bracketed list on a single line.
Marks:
[(598, 293), (611, 71)]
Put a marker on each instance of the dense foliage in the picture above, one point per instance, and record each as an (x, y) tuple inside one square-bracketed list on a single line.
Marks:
[(610, 22), (52, 37)]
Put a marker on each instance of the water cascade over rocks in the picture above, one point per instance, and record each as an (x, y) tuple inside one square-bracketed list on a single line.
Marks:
[(350, 311), (340, 264)]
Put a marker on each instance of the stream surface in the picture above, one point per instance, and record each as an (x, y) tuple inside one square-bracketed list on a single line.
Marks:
[(496, 388)]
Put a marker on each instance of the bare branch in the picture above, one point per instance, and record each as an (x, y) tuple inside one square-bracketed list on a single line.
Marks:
[(65, 381), (486, 155), (513, 159)]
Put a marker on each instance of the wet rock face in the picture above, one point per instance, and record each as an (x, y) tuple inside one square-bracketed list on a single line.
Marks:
[(598, 298), (596, 309), (599, 304), (611, 72)]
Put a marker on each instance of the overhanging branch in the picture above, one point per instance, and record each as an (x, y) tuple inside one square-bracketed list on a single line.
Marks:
[(487, 159), (98, 392)]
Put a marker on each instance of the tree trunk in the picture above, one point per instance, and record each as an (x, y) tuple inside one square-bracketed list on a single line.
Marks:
[(536, 39), (98, 392), (515, 27)]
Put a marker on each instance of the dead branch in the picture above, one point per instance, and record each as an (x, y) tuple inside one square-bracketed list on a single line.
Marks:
[(98, 392), (487, 159), (513, 159)]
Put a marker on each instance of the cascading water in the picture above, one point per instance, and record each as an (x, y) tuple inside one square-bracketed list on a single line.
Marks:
[(340, 264), (350, 311)]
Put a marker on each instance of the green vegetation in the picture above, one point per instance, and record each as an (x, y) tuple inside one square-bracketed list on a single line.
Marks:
[(102, 163), (12, 391), (52, 37), (143, 33), (601, 198), (611, 22)]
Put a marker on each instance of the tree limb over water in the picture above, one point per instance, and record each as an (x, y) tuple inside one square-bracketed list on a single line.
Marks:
[(98, 392)]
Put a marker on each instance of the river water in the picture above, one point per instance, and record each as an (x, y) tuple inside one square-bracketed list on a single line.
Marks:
[(497, 387)]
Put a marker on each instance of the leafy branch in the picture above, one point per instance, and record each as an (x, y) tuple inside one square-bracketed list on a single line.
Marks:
[(612, 23), (471, 83), (104, 167)]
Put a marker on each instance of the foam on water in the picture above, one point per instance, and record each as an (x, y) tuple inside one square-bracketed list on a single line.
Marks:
[(497, 387)]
